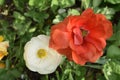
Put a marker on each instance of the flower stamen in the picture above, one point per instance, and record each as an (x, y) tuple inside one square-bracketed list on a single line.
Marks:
[(41, 53), (84, 32)]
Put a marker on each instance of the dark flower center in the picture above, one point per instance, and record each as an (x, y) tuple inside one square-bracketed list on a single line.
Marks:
[(79, 35), (84, 32)]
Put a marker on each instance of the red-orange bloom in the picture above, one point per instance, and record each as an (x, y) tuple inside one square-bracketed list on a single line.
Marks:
[(81, 38)]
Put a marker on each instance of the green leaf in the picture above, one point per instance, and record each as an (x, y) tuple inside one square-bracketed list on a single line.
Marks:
[(116, 38), (61, 3), (73, 12), (57, 19), (113, 52), (100, 77), (15, 73), (96, 3), (4, 23), (117, 28), (19, 16), (70, 76), (111, 70), (11, 74), (66, 3), (117, 43), (86, 3), (20, 4), (61, 11), (113, 1), (21, 28), (38, 17), (31, 2), (116, 34), (116, 7), (20, 24), (40, 4), (2, 2), (101, 60), (54, 5)]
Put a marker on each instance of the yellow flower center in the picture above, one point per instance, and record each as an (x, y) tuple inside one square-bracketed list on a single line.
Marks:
[(41, 53)]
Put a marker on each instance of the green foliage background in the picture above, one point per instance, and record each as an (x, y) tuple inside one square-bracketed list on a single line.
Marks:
[(20, 20)]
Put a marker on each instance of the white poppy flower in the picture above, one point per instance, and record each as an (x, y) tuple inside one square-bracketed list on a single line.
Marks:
[(39, 57)]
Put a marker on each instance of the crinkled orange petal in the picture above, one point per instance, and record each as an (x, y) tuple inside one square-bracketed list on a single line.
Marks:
[(97, 32), (67, 52), (96, 56), (92, 53), (106, 24), (78, 59), (78, 39), (99, 43), (59, 40), (75, 21), (87, 12)]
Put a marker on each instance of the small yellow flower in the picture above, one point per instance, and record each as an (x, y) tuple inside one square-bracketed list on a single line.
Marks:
[(3, 47), (39, 57)]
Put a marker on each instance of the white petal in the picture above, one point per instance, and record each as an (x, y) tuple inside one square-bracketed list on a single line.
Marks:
[(33, 62), (44, 39)]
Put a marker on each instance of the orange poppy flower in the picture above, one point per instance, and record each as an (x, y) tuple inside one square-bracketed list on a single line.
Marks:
[(81, 38)]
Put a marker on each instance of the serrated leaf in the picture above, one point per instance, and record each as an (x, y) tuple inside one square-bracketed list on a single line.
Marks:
[(54, 5), (20, 24), (57, 19), (73, 12), (112, 70), (21, 28), (19, 16), (38, 17), (20, 4), (66, 3), (40, 4)]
